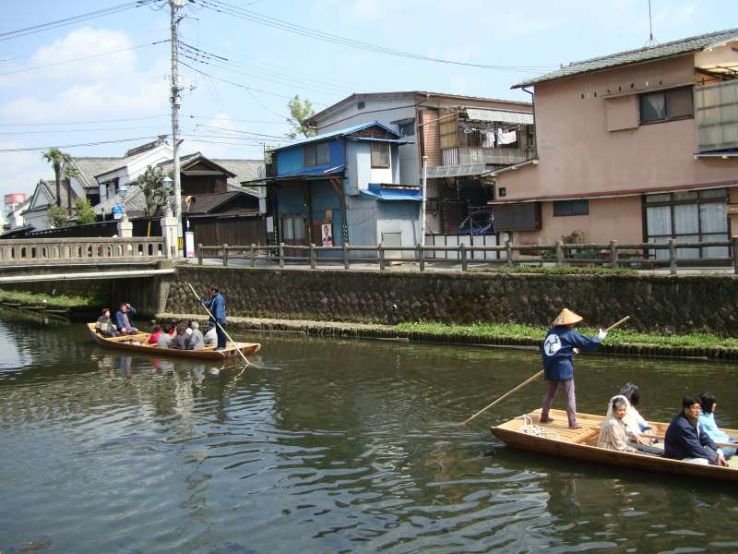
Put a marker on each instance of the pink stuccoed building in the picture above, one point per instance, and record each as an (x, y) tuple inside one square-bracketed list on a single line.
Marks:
[(639, 145)]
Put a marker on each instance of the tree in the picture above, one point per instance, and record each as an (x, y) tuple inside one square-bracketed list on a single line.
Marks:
[(58, 217), (85, 213), (61, 162), (156, 195), (300, 112)]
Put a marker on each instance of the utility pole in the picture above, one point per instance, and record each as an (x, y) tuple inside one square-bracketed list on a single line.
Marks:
[(175, 99)]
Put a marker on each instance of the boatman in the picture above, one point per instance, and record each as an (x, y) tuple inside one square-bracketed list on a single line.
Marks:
[(216, 305), (561, 343)]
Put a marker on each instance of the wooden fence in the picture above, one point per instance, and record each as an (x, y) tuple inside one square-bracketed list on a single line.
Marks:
[(613, 255)]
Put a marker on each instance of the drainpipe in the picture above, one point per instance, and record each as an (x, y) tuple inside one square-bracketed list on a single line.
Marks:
[(535, 131), (423, 197)]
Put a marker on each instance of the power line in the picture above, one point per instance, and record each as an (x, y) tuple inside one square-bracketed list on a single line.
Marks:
[(99, 129), (240, 85), (97, 143), (17, 33), (96, 121), (275, 23), (106, 53), (279, 137), (256, 121)]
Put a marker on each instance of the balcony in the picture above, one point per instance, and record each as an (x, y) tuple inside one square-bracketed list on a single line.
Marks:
[(486, 156), (716, 116)]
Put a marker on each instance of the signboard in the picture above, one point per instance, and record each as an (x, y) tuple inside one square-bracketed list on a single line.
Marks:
[(270, 224), (190, 244), (326, 234), (118, 210)]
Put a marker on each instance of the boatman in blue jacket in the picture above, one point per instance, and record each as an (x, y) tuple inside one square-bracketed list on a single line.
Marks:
[(216, 305), (561, 343)]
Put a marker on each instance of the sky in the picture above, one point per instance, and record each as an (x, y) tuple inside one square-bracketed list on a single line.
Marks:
[(234, 102)]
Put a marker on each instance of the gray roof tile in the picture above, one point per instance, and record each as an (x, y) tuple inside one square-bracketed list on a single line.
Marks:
[(668, 49)]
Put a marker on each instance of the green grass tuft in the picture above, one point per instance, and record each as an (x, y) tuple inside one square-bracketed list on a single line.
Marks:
[(55, 302)]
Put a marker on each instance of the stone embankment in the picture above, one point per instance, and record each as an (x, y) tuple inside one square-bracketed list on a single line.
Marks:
[(241, 325)]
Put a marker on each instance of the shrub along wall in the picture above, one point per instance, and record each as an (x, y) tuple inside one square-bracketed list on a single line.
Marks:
[(663, 304)]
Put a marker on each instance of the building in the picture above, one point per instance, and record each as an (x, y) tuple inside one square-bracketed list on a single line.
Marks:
[(464, 137), (636, 146), (342, 187)]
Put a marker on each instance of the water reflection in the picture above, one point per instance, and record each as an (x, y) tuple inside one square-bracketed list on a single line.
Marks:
[(325, 446)]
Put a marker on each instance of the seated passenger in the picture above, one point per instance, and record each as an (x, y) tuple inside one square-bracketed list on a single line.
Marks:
[(165, 339), (181, 339), (684, 442), (155, 334), (708, 426), (211, 336), (105, 325), (633, 419), (196, 340), (613, 433), (123, 319)]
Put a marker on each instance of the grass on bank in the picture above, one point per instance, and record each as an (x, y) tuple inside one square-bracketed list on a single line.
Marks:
[(59, 301), (619, 336), (556, 270)]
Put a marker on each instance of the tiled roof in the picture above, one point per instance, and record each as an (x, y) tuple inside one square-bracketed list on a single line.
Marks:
[(88, 167), (245, 170), (205, 203), (132, 198), (666, 50)]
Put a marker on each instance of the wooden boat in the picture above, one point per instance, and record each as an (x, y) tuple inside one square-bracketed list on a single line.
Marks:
[(137, 343), (555, 438)]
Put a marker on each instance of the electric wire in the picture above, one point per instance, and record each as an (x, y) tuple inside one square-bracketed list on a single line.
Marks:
[(96, 143), (97, 55), (90, 122), (256, 17), (18, 33)]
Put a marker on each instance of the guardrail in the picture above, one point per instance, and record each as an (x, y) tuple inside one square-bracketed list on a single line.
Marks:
[(61, 251), (646, 255)]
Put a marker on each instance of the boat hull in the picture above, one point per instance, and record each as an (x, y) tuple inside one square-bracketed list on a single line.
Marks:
[(137, 343), (579, 445)]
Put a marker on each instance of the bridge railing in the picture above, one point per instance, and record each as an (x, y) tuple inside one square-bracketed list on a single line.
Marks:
[(80, 250)]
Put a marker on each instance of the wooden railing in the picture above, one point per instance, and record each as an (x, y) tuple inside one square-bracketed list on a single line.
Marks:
[(61, 251), (647, 255)]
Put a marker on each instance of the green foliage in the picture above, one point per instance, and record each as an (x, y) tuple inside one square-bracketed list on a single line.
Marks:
[(518, 331), (156, 195), (57, 301), (559, 270), (300, 112), (84, 212), (61, 163), (58, 217)]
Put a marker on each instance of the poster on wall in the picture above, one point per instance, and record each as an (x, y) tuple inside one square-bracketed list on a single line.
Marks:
[(326, 234), (190, 244)]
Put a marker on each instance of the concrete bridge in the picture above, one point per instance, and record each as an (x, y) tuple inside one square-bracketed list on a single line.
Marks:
[(65, 259)]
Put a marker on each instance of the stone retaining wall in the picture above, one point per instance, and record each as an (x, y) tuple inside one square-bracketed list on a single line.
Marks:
[(683, 304)]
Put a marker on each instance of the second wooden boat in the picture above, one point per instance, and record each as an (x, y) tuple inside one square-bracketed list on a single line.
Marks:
[(137, 343), (555, 438)]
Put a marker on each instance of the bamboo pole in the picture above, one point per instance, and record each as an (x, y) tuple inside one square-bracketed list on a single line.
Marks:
[(218, 324), (533, 378)]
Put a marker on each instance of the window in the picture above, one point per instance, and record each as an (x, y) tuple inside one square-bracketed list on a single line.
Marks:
[(380, 155), (407, 129), (316, 154), (571, 207), (690, 216), (525, 216), (666, 105)]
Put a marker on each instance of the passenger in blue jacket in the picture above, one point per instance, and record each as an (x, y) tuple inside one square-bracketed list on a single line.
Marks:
[(216, 305), (561, 343), (123, 319), (685, 442)]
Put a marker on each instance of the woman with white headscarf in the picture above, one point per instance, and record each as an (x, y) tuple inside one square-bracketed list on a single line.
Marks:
[(614, 432)]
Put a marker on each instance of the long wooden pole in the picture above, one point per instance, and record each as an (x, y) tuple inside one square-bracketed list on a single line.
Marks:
[(531, 379), (218, 324)]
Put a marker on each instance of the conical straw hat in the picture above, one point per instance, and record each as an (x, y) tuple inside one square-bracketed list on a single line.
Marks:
[(567, 317)]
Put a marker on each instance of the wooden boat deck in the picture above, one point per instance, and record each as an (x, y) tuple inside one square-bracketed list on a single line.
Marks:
[(555, 438), (137, 343)]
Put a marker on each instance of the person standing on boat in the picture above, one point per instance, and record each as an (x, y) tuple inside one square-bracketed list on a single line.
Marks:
[(216, 305), (123, 319), (683, 440), (560, 345)]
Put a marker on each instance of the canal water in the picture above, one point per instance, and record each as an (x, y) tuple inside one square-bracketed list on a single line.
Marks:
[(327, 446)]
